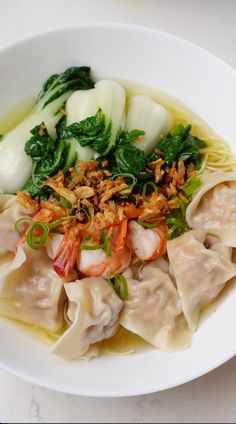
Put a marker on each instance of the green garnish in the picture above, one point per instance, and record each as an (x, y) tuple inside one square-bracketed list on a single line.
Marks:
[(65, 203), (176, 221), (21, 221), (119, 284), (38, 233), (56, 223), (105, 244), (90, 246), (151, 184), (125, 175), (146, 224), (1, 137), (192, 185), (88, 216), (34, 240)]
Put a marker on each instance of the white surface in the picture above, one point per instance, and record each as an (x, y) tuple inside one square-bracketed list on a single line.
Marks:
[(210, 399)]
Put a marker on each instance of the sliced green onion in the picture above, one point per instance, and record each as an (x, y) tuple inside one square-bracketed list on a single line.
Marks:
[(21, 221), (34, 241), (109, 281), (57, 196), (1, 137), (106, 244), (124, 292), (192, 185), (89, 246), (56, 232), (126, 175), (175, 221), (183, 208), (171, 231), (88, 216), (149, 183), (65, 203), (146, 224), (119, 284), (56, 224)]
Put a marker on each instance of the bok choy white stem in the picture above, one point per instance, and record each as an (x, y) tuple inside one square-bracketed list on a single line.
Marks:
[(149, 116), (94, 118)]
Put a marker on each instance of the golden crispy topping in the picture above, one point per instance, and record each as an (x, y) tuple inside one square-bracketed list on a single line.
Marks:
[(25, 200), (109, 193), (191, 171), (107, 173), (183, 198), (156, 168), (63, 111), (103, 200), (42, 129), (84, 192), (61, 190), (156, 206)]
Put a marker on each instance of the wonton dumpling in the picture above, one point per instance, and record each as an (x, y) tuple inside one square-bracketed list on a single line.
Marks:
[(153, 310), (213, 208), (30, 289), (93, 310), (10, 211), (201, 266)]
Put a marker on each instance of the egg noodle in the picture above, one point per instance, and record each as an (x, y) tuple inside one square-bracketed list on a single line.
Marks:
[(217, 156)]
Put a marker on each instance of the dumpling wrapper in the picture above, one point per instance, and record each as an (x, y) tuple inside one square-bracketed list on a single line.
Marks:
[(93, 310), (153, 309), (10, 212), (213, 208), (201, 265), (30, 289)]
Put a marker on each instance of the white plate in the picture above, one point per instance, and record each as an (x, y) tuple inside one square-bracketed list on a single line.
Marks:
[(204, 84)]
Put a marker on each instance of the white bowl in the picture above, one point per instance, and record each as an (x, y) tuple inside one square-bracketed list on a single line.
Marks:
[(204, 84)]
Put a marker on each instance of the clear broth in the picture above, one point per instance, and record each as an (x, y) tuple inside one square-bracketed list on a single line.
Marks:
[(16, 114), (123, 342)]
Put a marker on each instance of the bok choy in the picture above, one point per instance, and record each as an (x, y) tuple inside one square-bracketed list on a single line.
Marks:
[(94, 119), (15, 164), (149, 116)]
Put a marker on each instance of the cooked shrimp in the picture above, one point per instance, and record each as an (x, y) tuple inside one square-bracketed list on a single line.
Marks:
[(92, 262), (53, 244), (118, 261), (131, 211), (67, 253), (117, 235), (147, 243), (95, 262)]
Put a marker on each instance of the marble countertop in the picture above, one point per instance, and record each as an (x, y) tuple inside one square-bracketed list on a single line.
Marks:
[(212, 398)]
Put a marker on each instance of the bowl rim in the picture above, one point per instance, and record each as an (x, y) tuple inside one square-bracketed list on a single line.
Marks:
[(67, 27), (126, 26)]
